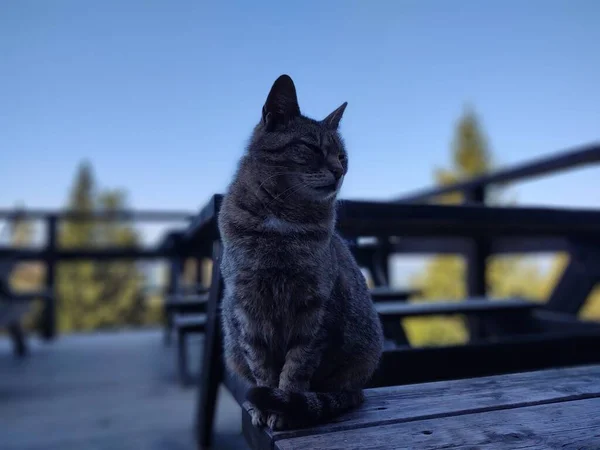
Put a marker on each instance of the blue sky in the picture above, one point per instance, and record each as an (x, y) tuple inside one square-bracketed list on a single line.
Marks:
[(161, 96)]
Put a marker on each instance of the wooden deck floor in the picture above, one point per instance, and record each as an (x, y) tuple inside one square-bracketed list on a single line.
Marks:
[(113, 391)]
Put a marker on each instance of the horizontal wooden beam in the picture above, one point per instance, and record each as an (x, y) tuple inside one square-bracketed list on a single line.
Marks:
[(370, 218), (82, 254), (505, 355), (529, 244), (123, 215), (476, 306), (364, 218), (429, 245), (588, 154), (204, 224), (385, 294)]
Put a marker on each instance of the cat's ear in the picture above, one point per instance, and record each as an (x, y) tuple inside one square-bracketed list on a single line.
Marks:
[(282, 104), (332, 121)]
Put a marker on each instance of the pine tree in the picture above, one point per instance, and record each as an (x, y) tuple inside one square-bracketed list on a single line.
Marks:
[(444, 276), (93, 294)]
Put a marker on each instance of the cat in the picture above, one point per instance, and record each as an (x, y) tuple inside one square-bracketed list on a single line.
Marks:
[(298, 321)]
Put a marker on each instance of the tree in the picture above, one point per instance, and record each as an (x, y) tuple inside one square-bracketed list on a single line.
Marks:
[(94, 294), (444, 276)]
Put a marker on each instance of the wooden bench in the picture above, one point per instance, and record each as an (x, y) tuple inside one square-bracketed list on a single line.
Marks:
[(555, 408), (181, 303), (186, 324), (184, 315), (516, 336)]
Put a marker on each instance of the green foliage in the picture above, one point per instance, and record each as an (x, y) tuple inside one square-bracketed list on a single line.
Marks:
[(444, 276), (98, 294)]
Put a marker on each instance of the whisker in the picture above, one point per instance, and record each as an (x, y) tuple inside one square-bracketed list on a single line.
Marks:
[(290, 188)]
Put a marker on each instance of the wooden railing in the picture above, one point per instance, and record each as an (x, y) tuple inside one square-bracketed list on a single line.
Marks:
[(51, 253), (474, 192)]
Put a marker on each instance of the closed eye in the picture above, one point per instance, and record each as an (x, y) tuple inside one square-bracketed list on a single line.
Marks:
[(313, 147)]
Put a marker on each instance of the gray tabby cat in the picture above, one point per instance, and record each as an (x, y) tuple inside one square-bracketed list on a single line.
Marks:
[(298, 320)]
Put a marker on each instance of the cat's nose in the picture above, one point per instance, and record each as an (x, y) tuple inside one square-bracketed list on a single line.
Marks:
[(337, 172)]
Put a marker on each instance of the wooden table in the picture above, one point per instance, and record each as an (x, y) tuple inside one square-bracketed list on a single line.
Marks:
[(550, 409)]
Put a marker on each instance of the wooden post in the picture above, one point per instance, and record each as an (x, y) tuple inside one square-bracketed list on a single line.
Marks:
[(212, 369), (381, 262), (174, 274), (175, 269), (579, 278), (49, 311), (476, 259)]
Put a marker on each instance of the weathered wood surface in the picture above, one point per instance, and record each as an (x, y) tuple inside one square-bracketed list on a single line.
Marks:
[(566, 425), (109, 391), (419, 407)]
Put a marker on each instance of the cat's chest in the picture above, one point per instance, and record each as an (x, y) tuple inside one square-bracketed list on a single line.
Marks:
[(270, 286)]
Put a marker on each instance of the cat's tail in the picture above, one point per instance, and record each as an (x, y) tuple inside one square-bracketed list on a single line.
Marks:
[(304, 406)]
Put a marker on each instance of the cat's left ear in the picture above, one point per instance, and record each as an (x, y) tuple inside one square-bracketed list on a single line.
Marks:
[(282, 103), (333, 120)]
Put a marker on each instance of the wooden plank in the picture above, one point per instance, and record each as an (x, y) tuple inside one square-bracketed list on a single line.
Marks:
[(577, 281), (122, 215), (528, 244), (469, 306), (588, 154), (502, 355), (212, 358), (185, 304), (205, 223), (385, 294), (102, 254), (185, 299), (458, 245), (564, 425), (400, 404), (376, 218), (48, 317), (368, 218), (551, 321), (189, 321), (429, 245)]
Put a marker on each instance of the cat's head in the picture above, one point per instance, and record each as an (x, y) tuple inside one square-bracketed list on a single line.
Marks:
[(293, 156)]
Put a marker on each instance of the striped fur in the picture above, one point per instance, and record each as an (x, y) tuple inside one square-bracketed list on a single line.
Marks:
[(297, 316)]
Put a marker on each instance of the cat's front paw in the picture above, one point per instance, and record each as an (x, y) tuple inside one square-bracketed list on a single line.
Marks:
[(259, 419), (276, 422)]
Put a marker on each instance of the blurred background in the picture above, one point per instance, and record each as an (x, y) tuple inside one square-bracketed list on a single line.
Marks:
[(135, 105), (147, 105)]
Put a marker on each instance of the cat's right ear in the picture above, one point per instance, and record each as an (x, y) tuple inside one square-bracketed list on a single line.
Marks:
[(282, 103)]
